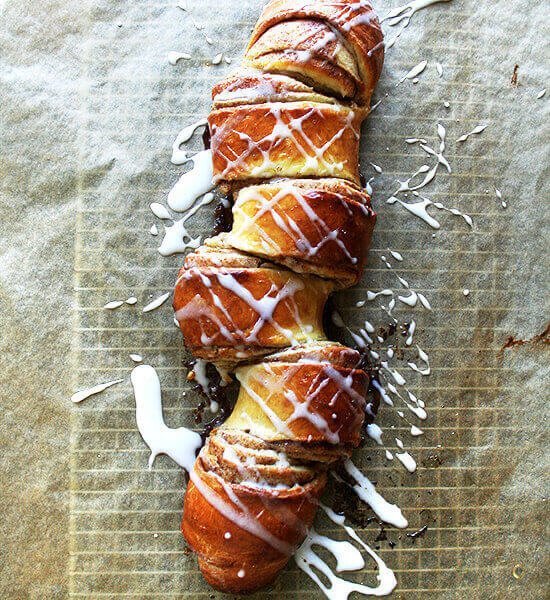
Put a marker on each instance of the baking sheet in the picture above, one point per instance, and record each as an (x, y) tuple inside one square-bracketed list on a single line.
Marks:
[(90, 107)]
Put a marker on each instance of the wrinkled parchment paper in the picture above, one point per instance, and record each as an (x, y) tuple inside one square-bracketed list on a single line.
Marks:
[(89, 108)]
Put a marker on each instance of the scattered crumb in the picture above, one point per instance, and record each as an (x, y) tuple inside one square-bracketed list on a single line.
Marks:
[(514, 80)]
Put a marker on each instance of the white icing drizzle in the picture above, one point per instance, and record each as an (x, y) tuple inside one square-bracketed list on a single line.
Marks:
[(390, 513), (404, 14), (407, 461), (419, 209), (375, 433), (474, 131), (416, 431), (382, 392), (368, 186), (176, 237), (396, 255), (96, 389), (414, 405), (406, 11), (193, 184), (410, 333), (398, 378), (174, 57), (113, 304), (159, 210), (416, 70), (348, 557), (339, 588), (179, 156), (424, 357), (384, 292), (179, 444), (156, 303)]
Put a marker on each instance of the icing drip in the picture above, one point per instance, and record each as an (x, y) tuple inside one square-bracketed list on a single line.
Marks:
[(416, 431), (113, 304), (156, 303), (390, 513), (375, 433), (179, 156), (176, 237), (419, 209), (407, 461), (160, 211), (416, 70), (174, 57), (339, 588), (474, 131), (193, 184), (96, 389), (179, 444), (406, 11), (424, 357), (403, 14)]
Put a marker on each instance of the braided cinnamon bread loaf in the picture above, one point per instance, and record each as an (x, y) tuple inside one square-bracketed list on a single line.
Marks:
[(285, 140)]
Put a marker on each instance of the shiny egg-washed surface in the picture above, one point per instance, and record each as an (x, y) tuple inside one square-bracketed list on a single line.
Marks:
[(479, 486)]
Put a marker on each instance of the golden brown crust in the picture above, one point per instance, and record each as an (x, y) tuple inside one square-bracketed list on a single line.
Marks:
[(305, 401), (295, 114), (309, 51), (228, 313), (244, 561), (291, 139), (254, 87), (356, 26), (322, 227)]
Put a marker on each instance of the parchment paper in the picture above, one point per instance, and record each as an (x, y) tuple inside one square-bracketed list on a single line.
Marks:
[(89, 109)]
